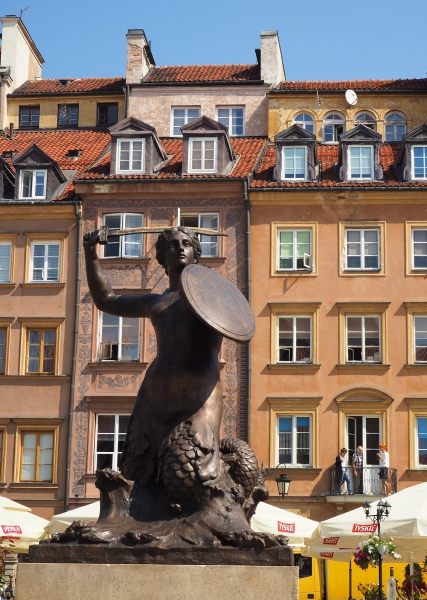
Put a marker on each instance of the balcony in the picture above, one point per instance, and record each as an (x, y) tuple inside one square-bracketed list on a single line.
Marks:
[(371, 482)]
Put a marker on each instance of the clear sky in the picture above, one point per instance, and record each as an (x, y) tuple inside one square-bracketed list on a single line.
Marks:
[(320, 39)]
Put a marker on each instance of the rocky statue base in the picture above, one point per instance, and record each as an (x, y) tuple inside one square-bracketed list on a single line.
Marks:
[(151, 582)]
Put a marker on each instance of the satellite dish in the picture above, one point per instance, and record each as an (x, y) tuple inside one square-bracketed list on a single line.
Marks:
[(351, 97)]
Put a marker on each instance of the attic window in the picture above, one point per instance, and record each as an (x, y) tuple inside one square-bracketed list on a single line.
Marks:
[(8, 153), (33, 184), (74, 153), (130, 155), (202, 155), (64, 82)]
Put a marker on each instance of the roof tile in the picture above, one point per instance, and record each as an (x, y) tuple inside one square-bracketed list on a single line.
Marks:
[(53, 86), (359, 85), (209, 73)]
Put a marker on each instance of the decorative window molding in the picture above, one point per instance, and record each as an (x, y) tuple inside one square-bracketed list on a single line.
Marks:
[(29, 117), (40, 324), (416, 319), (110, 433), (296, 155), (5, 325), (130, 155), (295, 252), (333, 127), (39, 427), (32, 184), (233, 117), (363, 309), (294, 407), (359, 155), (349, 247), (119, 338), (305, 121), (210, 244), (182, 115), (202, 155), (417, 413), (46, 239), (394, 127), (304, 310), (125, 246)]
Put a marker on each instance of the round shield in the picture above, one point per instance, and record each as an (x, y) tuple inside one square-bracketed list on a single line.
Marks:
[(218, 303)]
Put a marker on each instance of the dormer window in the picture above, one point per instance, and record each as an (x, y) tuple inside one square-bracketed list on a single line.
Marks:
[(202, 155), (294, 163), (412, 162), (361, 162), (419, 162), (33, 184), (130, 156)]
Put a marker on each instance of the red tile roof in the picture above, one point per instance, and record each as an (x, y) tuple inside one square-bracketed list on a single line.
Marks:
[(208, 73), (57, 144), (328, 156), (76, 86), (359, 85), (248, 149)]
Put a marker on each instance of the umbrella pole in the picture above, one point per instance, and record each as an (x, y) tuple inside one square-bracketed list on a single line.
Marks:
[(350, 580)]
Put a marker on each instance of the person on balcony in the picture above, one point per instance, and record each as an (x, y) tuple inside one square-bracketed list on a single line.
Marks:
[(357, 462), (384, 465), (342, 473)]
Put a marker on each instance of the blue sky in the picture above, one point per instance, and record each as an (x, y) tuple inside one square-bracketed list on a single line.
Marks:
[(320, 39)]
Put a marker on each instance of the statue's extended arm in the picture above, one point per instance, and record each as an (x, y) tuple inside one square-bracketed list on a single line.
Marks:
[(102, 293)]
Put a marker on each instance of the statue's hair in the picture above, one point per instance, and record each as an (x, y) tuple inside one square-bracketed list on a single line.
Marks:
[(164, 237)]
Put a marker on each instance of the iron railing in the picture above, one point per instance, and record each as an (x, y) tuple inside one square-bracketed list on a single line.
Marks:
[(369, 483)]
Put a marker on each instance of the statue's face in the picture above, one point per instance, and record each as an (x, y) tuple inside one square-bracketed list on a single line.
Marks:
[(179, 252)]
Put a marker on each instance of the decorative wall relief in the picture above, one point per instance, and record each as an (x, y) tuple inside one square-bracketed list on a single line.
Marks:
[(127, 275), (118, 381)]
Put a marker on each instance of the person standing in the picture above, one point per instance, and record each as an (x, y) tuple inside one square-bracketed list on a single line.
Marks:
[(357, 462), (384, 465), (342, 473)]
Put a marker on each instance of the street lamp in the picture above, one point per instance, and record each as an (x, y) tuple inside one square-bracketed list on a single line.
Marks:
[(382, 512), (283, 482)]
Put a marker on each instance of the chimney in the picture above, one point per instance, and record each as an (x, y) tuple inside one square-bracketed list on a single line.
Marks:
[(272, 69), (139, 57)]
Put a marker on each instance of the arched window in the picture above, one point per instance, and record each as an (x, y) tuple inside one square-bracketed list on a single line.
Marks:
[(305, 121), (366, 119), (395, 127), (333, 127)]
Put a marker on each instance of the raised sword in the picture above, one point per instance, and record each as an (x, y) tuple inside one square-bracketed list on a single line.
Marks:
[(105, 232)]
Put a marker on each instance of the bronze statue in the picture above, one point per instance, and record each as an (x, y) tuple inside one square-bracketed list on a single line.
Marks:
[(180, 485)]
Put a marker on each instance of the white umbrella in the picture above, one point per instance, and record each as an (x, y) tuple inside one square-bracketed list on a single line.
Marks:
[(407, 525), (12, 505), (270, 519), (59, 523), (19, 529)]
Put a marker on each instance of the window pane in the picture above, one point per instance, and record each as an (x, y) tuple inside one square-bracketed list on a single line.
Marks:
[(5, 254), (420, 330), (133, 242), (303, 339), (124, 154), (285, 440), (27, 179), (420, 162), (422, 440), (52, 262), (137, 158), (303, 440), (196, 155), (39, 251), (286, 339), (419, 248), (2, 349), (39, 184), (112, 249)]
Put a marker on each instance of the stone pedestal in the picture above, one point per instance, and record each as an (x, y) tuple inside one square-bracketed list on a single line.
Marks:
[(58, 581)]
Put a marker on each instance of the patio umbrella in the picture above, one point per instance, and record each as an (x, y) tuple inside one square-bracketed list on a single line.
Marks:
[(19, 529), (270, 519), (59, 523), (407, 525)]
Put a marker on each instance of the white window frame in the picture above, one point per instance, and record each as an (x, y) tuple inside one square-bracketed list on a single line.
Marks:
[(294, 418), (122, 238), (306, 122), (116, 439), (294, 178), (186, 117), (190, 154), (363, 333), (414, 337), (362, 232), (394, 123), (417, 448), (9, 270), (294, 340), (413, 162), (231, 133), (338, 121), (33, 173), (413, 242), (119, 343), (131, 141), (210, 239), (45, 267), (307, 259), (371, 175)]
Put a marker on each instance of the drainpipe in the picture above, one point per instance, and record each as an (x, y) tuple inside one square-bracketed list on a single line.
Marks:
[(248, 267), (77, 212)]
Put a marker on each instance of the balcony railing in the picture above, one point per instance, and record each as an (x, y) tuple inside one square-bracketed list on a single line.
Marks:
[(370, 483)]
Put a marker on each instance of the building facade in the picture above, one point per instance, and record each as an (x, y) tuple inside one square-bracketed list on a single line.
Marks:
[(338, 219)]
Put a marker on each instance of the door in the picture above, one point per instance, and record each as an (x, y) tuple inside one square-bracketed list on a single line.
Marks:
[(366, 432)]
